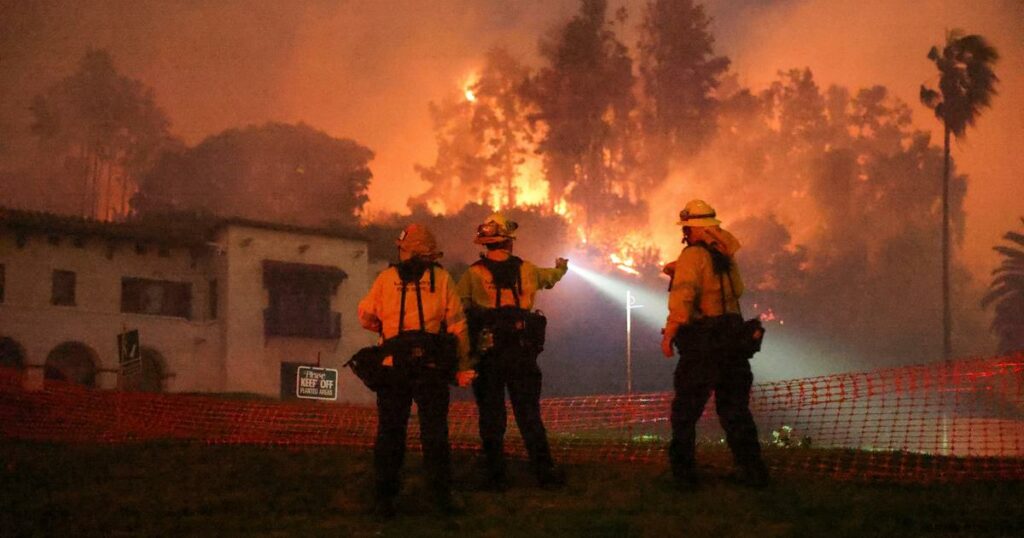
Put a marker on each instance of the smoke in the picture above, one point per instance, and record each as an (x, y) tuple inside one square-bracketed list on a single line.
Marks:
[(366, 71), (860, 44)]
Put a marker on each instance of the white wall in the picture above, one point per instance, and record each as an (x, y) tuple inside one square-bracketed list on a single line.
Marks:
[(227, 354), (253, 360), (26, 315)]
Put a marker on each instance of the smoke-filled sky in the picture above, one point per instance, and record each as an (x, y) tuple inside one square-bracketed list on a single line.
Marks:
[(367, 69)]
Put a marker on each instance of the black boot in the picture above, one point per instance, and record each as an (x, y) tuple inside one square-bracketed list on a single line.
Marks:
[(496, 478)]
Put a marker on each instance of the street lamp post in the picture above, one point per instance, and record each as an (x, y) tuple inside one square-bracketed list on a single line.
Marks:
[(630, 305)]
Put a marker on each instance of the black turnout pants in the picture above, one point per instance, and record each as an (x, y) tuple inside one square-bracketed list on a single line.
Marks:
[(516, 369), (698, 373), (394, 402)]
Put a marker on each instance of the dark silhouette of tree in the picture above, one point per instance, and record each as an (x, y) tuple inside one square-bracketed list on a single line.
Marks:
[(274, 172), (1006, 292), (680, 74), (967, 84), (108, 129), (584, 97)]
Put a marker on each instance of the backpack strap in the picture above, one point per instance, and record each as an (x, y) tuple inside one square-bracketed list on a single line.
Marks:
[(501, 275), (406, 277)]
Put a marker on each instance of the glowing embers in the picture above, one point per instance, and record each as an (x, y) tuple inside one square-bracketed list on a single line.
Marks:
[(626, 265), (766, 314)]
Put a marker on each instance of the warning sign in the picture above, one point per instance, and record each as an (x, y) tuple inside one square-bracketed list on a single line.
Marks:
[(316, 383)]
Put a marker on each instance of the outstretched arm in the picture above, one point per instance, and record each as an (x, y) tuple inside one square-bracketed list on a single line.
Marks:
[(547, 278)]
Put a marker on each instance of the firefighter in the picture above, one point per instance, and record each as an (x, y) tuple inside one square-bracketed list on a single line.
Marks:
[(507, 335), (703, 308), (414, 307)]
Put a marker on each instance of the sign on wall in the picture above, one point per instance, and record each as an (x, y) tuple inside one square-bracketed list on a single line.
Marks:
[(316, 383), (128, 347)]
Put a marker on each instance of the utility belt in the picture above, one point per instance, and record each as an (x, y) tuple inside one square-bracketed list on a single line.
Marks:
[(415, 355), (505, 327), (725, 334), (423, 350)]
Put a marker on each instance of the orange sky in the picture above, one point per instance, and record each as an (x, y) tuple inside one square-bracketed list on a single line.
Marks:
[(367, 69)]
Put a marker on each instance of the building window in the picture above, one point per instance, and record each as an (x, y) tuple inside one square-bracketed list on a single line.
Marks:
[(300, 300), (212, 299), (63, 291), (156, 297)]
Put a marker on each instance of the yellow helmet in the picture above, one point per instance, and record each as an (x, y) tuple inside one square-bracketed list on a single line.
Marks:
[(698, 213), (495, 229)]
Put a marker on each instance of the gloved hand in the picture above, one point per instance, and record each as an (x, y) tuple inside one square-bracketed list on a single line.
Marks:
[(465, 377), (561, 263), (370, 322), (667, 335)]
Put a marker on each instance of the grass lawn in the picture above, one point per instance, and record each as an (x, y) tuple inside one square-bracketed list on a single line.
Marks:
[(174, 489)]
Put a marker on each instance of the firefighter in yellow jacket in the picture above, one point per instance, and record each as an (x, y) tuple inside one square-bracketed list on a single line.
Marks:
[(411, 305), (507, 335), (703, 308)]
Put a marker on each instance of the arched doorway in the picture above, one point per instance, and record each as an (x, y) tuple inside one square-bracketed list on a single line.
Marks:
[(147, 375), (72, 361), (12, 355)]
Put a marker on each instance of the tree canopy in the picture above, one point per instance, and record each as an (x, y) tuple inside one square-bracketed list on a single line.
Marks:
[(276, 172)]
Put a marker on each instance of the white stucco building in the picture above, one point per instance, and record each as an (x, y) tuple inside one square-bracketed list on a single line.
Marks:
[(220, 306)]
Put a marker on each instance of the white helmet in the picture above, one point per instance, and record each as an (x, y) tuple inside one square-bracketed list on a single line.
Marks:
[(698, 213)]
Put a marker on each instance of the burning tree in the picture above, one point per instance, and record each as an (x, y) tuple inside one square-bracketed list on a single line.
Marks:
[(584, 98), (484, 143)]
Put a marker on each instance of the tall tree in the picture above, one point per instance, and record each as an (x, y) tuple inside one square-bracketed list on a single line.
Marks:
[(108, 129), (483, 140), (967, 84), (584, 97), (1007, 294), (680, 74), (501, 117), (276, 172)]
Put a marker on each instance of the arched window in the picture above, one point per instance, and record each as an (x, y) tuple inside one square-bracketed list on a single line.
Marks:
[(72, 361), (12, 355)]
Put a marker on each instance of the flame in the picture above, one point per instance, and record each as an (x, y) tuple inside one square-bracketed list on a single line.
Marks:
[(624, 264), (467, 86)]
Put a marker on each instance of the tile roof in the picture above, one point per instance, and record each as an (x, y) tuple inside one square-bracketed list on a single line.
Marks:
[(179, 230)]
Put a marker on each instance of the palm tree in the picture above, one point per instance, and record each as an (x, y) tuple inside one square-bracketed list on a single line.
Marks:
[(966, 85), (1007, 292)]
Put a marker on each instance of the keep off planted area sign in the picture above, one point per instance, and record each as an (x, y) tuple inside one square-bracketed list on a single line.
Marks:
[(316, 383)]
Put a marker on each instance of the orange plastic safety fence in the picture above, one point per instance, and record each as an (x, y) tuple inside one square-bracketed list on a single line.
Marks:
[(962, 420)]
